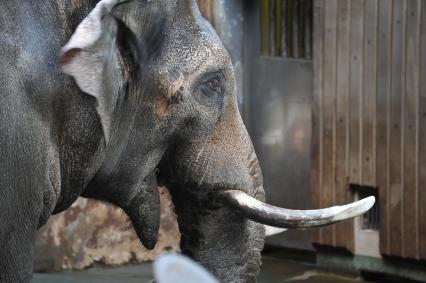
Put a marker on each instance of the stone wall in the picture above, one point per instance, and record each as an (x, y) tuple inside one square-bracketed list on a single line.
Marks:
[(94, 233)]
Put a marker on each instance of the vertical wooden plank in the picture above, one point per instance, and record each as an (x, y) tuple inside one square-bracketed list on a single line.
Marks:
[(410, 129), (369, 85), (355, 96), (327, 191), (344, 231), (422, 138), (382, 119), (396, 124), (318, 38)]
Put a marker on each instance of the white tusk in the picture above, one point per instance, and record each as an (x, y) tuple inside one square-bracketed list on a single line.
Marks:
[(270, 231), (294, 219)]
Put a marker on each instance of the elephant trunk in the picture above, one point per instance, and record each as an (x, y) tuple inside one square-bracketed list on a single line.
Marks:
[(217, 236), (214, 233)]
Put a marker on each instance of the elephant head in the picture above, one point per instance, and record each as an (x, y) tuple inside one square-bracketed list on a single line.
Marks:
[(166, 100)]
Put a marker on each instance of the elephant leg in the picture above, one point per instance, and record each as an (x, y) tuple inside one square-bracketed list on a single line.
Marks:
[(16, 254), (22, 211), (18, 225), (27, 199)]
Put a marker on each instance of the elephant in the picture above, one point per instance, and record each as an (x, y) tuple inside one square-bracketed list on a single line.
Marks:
[(107, 99)]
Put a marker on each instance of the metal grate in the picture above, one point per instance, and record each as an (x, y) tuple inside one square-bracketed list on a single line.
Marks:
[(371, 219), (286, 28)]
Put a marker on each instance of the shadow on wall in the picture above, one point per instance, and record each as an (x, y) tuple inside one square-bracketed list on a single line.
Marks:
[(95, 233)]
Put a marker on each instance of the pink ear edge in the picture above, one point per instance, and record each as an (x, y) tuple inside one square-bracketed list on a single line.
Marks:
[(67, 56)]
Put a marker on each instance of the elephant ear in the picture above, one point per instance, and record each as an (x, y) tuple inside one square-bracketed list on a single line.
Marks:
[(92, 56)]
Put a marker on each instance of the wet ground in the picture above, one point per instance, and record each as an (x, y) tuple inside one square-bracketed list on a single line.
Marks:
[(273, 270)]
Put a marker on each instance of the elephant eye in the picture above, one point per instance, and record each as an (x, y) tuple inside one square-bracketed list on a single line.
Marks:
[(213, 86)]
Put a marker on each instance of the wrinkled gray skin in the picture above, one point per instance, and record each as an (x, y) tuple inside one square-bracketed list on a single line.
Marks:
[(163, 97)]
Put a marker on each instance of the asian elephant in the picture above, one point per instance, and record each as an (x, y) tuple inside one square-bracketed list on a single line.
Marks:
[(104, 99)]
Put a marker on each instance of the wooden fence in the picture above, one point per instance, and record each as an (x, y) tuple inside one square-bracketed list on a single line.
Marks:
[(370, 116)]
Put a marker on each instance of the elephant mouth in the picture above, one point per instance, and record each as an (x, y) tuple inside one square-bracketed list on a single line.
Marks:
[(263, 213)]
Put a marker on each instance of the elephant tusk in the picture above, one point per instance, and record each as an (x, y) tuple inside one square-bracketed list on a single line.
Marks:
[(271, 231), (295, 219)]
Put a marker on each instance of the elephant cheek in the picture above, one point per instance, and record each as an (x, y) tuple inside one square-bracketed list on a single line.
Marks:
[(223, 241)]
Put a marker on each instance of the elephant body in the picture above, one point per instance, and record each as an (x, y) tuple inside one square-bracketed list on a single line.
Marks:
[(48, 129), (53, 147), (104, 99)]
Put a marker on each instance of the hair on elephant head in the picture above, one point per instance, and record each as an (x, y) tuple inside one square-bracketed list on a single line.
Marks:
[(165, 97)]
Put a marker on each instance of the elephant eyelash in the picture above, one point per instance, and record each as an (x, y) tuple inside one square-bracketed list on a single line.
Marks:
[(212, 75)]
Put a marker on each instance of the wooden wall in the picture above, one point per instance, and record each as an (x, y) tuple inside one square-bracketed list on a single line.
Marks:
[(370, 116)]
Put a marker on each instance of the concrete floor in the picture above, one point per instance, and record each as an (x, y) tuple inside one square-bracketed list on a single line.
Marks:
[(273, 270)]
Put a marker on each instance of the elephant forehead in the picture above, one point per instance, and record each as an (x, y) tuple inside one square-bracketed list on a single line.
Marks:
[(192, 49)]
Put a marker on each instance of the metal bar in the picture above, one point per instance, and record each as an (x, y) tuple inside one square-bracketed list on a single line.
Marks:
[(289, 34), (301, 29), (278, 27), (264, 21)]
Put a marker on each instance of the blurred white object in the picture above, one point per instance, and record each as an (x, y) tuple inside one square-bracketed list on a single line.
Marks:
[(270, 231), (173, 268)]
